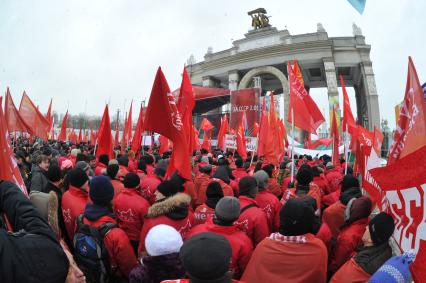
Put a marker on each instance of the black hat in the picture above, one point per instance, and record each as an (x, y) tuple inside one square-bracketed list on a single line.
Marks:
[(103, 158), (131, 180), (297, 218), (248, 186), (77, 177), (213, 193), (112, 170), (54, 173), (168, 188), (159, 171), (101, 190), (381, 228), (304, 176), (206, 256), (47, 151), (349, 194), (222, 173), (123, 161), (349, 181)]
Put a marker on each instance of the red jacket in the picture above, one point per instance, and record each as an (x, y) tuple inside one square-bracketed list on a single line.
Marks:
[(132, 165), (121, 254), (286, 181), (349, 238), (252, 221), (190, 190), (331, 198), (150, 169), (199, 180), (118, 186), (274, 187), (334, 177), (173, 211), (100, 169), (350, 272), (202, 213), (322, 184), (73, 203), (270, 204), (241, 245), (334, 217), (239, 173), (149, 184), (130, 208), (227, 190), (313, 192), (279, 258)]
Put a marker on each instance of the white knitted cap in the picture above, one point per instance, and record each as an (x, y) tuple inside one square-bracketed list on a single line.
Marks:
[(163, 239)]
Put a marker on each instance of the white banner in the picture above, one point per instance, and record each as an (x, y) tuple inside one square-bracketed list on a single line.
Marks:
[(231, 142)]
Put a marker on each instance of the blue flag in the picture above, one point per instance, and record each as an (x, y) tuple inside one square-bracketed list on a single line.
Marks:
[(424, 90), (359, 5)]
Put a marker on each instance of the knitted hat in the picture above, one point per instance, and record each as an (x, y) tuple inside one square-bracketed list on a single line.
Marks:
[(262, 179), (395, 270), (349, 181), (112, 170), (131, 180), (101, 190), (168, 188), (228, 209), (54, 173), (82, 165), (77, 177), (248, 186), (206, 256), (296, 218), (163, 239), (381, 228), (304, 176)]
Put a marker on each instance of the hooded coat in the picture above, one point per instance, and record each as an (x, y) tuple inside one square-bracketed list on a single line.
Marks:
[(73, 203), (173, 211), (39, 179)]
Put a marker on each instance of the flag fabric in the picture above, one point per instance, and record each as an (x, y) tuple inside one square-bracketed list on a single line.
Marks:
[(272, 142), (241, 141), (9, 169), (137, 137), (206, 125), (349, 123), (223, 130), (123, 142), (378, 139), (105, 145), (359, 5), (207, 128), (404, 194), (163, 117), (185, 105), (63, 133), (33, 118), (336, 136), (86, 136), (49, 118), (129, 124), (410, 133), (14, 121), (307, 116), (164, 144), (80, 136), (263, 129)]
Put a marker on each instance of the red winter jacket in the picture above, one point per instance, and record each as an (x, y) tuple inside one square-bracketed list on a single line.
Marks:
[(199, 180), (334, 177), (73, 203), (130, 208), (117, 185), (321, 182), (252, 221), (270, 204), (347, 241), (274, 187), (331, 198), (241, 245), (173, 211), (227, 190), (334, 217), (149, 184), (314, 192), (202, 213), (121, 254), (132, 165), (100, 169), (350, 272), (150, 169), (239, 173)]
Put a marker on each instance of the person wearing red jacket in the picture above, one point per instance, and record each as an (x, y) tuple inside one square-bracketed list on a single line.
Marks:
[(203, 176), (222, 177), (293, 254), (374, 253), (252, 220), (206, 211), (240, 171), (267, 201), (102, 165), (120, 252), (320, 180), (334, 176), (75, 199), (112, 172), (356, 219), (171, 208), (273, 185), (226, 212), (130, 208), (149, 161), (149, 184)]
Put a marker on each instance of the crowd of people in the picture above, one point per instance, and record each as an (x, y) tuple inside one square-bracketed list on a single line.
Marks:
[(127, 219)]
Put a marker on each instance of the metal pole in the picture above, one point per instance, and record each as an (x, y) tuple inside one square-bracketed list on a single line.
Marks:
[(292, 146), (346, 151)]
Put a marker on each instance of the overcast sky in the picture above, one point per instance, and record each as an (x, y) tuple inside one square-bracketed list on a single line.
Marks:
[(91, 52)]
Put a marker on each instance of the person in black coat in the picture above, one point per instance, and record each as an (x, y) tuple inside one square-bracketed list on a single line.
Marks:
[(31, 253)]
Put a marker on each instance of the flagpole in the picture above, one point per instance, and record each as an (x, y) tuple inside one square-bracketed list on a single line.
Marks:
[(346, 150), (292, 146)]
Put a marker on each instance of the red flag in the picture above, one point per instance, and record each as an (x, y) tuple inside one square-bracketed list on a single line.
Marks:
[(336, 136), (137, 137), (378, 139), (9, 169), (241, 140), (206, 125), (86, 136), (105, 145), (124, 136), (80, 136), (163, 117), (186, 103), (307, 116), (164, 144), (33, 118), (49, 118), (129, 124), (195, 140), (349, 123), (63, 133), (224, 127), (14, 121), (272, 144), (410, 133), (405, 199), (264, 128)]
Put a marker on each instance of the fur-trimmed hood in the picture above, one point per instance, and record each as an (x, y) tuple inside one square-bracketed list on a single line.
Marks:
[(175, 207)]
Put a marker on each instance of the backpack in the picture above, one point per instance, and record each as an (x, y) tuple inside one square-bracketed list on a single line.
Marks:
[(90, 252)]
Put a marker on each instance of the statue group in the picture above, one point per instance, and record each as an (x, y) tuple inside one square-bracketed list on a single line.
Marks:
[(259, 19)]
